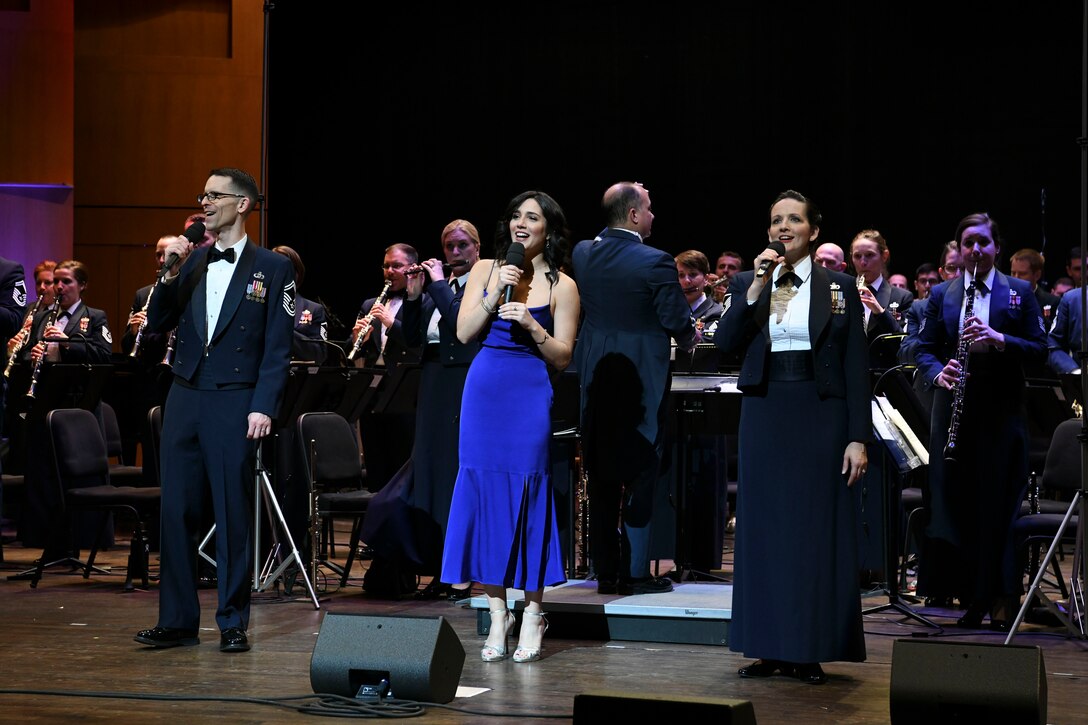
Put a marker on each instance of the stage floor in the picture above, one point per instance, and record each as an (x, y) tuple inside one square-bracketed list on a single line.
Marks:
[(693, 613)]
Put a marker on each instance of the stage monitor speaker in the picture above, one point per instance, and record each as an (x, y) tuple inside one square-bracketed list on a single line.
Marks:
[(608, 706), (958, 682), (420, 657)]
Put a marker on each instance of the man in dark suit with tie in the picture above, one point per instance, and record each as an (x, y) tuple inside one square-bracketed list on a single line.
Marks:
[(632, 305), (233, 305)]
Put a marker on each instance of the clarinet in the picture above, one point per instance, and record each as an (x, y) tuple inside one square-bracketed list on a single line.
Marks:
[(23, 336), (962, 354), (367, 322), (140, 330), (168, 357), (50, 320)]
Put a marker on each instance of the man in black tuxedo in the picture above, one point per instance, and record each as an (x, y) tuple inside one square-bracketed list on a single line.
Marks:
[(233, 304), (632, 305)]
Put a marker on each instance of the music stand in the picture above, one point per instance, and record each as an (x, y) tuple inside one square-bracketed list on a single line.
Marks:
[(894, 451), (706, 405)]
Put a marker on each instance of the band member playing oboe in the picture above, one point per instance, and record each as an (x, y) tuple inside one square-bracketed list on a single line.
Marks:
[(974, 500), (233, 304)]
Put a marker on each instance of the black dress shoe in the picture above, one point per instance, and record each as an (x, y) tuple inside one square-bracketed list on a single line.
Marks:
[(163, 637), (999, 625), (810, 674), (606, 586), (434, 590), (945, 602), (649, 585), (454, 594), (971, 619), (764, 668), (233, 640)]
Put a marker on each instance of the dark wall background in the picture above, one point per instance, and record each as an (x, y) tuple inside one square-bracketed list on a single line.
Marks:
[(384, 126)]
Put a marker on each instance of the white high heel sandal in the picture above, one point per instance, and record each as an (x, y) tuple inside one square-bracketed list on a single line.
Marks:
[(491, 653), (530, 654)]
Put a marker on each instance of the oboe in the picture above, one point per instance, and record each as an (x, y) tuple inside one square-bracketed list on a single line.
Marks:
[(23, 336), (50, 320), (368, 320), (962, 354), (140, 331)]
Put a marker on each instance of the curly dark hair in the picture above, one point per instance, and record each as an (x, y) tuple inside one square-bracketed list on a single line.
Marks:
[(556, 221)]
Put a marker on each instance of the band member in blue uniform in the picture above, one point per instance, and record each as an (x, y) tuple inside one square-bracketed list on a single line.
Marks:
[(233, 304)]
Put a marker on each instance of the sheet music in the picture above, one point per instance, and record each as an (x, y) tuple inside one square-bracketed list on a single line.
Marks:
[(904, 428)]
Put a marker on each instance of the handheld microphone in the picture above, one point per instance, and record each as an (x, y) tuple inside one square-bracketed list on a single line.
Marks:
[(515, 255), (193, 234), (775, 246)]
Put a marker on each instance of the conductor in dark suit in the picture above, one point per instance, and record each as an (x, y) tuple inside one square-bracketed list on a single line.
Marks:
[(632, 305), (973, 502), (233, 304)]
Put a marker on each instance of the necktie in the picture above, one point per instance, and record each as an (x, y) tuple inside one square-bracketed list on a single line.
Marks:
[(214, 255), (454, 284), (784, 291)]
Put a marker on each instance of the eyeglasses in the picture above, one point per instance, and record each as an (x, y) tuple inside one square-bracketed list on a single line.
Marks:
[(214, 196), (395, 267)]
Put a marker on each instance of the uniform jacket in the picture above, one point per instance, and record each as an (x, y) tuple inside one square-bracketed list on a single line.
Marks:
[(251, 345)]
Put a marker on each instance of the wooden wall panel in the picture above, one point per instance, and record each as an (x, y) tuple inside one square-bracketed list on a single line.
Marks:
[(36, 83), (164, 93)]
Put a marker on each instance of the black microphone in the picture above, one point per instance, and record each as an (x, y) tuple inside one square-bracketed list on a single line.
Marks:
[(515, 255), (194, 234), (777, 247)]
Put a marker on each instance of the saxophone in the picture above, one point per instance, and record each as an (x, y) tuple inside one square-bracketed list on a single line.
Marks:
[(23, 336), (368, 320), (962, 354), (50, 320)]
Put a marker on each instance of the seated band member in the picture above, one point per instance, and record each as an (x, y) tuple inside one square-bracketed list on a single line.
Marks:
[(87, 327), (384, 343), (1063, 342), (804, 422), (884, 304), (693, 269), (973, 500), (729, 263), (830, 256), (43, 283), (1027, 264), (152, 344), (311, 326)]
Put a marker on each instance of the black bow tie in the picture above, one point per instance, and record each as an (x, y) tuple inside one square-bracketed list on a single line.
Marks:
[(214, 255), (791, 276)]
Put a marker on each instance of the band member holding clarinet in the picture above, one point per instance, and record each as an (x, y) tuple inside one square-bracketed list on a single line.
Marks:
[(976, 489), (86, 327), (233, 304), (382, 341), (137, 342)]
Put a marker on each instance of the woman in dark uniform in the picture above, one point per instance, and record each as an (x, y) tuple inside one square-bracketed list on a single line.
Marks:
[(804, 422), (968, 553)]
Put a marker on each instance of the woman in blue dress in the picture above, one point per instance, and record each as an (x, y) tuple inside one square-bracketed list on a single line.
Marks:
[(502, 525)]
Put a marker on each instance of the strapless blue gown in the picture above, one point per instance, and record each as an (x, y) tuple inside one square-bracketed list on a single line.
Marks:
[(502, 527)]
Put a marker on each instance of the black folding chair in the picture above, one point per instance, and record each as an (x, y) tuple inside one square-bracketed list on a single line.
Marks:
[(83, 480)]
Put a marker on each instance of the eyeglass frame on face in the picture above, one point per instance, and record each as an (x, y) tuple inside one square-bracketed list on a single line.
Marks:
[(214, 196)]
